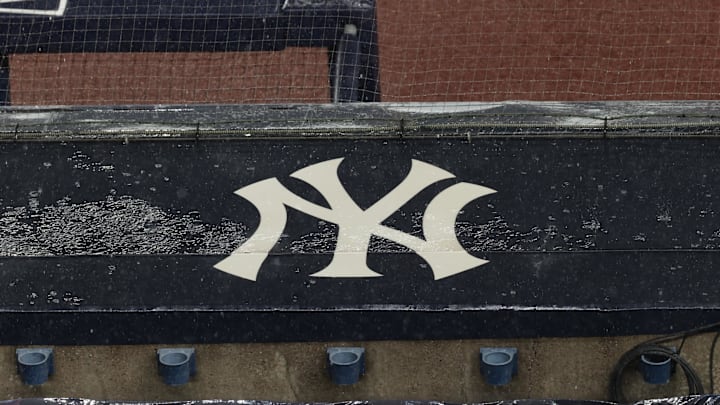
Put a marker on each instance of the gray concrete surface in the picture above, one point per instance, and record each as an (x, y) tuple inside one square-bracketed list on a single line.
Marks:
[(568, 368)]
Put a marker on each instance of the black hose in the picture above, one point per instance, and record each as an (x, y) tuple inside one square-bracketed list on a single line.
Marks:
[(702, 329), (711, 361), (617, 395)]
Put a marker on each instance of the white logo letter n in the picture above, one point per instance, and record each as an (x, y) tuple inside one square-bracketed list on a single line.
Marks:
[(440, 248)]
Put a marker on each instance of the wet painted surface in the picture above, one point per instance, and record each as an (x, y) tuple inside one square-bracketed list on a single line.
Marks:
[(584, 236)]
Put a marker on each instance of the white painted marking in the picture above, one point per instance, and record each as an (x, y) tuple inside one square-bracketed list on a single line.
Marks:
[(59, 12), (38, 116), (442, 108)]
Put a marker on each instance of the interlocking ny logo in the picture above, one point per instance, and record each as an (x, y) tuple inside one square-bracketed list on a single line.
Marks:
[(440, 247)]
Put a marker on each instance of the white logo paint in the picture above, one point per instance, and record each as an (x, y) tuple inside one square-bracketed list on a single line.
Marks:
[(23, 9), (440, 247)]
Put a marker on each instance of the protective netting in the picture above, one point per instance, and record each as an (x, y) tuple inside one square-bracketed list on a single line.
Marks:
[(308, 51)]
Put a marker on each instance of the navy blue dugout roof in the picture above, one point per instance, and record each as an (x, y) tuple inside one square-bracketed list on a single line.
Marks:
[(354, 222)]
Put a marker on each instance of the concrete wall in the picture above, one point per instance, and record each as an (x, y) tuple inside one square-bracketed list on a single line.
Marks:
[(576, 368)]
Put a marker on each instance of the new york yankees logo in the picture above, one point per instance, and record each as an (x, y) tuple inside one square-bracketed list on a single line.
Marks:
[(439, 248)]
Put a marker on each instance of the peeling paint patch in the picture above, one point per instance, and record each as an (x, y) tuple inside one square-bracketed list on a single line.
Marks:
[(113, 226)]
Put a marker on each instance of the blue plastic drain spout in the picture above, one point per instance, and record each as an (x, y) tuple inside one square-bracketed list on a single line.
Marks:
[(346, 364), (35, 366), (176, 366), (656, 368), (498, 364)]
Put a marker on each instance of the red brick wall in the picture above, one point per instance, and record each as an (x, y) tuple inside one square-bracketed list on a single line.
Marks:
[(294, 75), (549, 50)]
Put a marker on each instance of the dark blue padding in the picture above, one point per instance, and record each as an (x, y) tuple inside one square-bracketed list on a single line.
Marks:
[(195, 26)]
